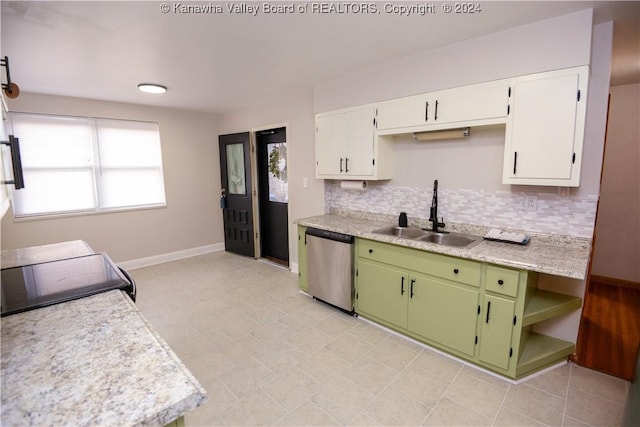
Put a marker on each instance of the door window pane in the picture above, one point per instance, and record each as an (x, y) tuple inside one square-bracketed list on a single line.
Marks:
[(235, 169), (278, 188)]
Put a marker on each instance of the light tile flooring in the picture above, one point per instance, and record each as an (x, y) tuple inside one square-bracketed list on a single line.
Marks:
[(269, 355)]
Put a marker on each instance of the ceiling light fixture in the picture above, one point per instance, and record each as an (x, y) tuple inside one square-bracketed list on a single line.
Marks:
[(152, 88)]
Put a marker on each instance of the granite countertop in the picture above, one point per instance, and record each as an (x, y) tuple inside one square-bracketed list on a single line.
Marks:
[(91, 361), (556, 255)]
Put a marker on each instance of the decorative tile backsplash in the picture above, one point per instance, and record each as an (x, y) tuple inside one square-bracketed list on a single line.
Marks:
[(573, 215)]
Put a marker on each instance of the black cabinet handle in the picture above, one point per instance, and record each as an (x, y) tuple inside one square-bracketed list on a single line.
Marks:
[(426, 112), (340, 164), (500, 282), (456, 271), (402, 286), (515, 161), (488, 310), (412, 283), (370, 251), (436, 115), (16, 161), (346, 164)]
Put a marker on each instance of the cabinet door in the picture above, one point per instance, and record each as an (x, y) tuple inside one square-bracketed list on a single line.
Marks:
[(302, 258), (345, 143), (404, 112), (359, 137), (460, 105), (330, 144), (497, 327), (544, 136), (382, 292), (443, 312), (469, 103)]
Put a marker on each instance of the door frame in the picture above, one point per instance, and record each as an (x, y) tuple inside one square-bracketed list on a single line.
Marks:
[(254, 181)]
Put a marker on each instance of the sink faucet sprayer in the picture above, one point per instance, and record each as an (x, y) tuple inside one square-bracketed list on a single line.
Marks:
[(433, 217)]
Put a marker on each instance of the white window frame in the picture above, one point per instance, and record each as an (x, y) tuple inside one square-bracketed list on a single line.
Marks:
[(96, 169)]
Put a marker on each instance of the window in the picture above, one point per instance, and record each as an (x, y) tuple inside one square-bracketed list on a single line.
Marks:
[(74, 164)]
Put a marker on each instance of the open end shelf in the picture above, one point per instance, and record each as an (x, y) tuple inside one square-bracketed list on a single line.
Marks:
[(546, 305), (540, 351)]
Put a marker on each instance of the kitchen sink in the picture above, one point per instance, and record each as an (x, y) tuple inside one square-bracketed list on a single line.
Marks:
[(457, 240), (445, 238), (404, 232)]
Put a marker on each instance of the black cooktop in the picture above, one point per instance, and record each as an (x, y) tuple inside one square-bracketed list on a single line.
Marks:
[(39, 285)]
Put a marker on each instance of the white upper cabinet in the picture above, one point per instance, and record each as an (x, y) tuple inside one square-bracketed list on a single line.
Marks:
[(474, 105), (545, 131), (544, 115), (347, 146)]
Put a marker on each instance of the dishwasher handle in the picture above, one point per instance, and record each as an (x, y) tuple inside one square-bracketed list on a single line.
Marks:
[(330, 235)]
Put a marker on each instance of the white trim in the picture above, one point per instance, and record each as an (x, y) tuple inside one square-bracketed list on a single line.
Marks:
[(170, 256), (293, 266)]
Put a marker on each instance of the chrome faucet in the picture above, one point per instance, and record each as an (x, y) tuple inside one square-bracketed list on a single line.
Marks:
[(433, 217)]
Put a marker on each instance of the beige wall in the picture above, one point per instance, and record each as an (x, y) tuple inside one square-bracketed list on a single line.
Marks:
[(617, 248), (295, 111), (192, 217)]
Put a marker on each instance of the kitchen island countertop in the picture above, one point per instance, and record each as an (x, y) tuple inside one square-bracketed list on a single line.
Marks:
[(90, 361), (563, 256)]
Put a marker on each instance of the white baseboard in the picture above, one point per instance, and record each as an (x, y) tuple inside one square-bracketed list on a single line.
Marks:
[(171, 256), (293, 266)]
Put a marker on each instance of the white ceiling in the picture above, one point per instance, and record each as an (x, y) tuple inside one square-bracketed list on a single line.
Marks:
[(217, 62)]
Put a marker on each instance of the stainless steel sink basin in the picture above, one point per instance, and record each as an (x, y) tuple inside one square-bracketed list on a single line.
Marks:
[(404, 232), (457, 240)]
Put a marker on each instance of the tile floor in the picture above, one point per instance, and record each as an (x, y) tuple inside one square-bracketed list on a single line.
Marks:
[(269, 355)]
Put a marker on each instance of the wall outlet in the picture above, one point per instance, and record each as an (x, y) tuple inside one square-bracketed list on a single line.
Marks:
[(305, 182), (530, 203)]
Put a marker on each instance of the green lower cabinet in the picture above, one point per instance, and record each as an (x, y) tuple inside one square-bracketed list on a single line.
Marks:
[(382, 293), (302, 258), (496, 331), (480, 312), (444, 312)]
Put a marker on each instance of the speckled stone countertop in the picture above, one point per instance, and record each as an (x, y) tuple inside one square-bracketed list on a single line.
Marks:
[(556, 255), (92, 361), (89, 362)]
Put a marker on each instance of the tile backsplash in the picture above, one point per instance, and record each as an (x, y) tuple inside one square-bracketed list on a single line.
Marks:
[(573, 215)]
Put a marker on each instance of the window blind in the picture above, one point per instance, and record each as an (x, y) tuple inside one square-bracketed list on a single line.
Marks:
[(74, 164)]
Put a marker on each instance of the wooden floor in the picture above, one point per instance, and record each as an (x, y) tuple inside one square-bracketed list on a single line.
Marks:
[(610, 327)]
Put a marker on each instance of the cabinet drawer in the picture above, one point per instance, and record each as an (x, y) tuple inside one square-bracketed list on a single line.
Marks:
[(502, 280), (443, 266), (456, 269), (385, 252)]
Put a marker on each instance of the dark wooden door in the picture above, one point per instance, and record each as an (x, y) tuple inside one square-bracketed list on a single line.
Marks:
[(271, 146), (237, 206)]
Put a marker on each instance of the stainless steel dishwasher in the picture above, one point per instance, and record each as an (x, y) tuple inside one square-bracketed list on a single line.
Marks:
[(330, 267)]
